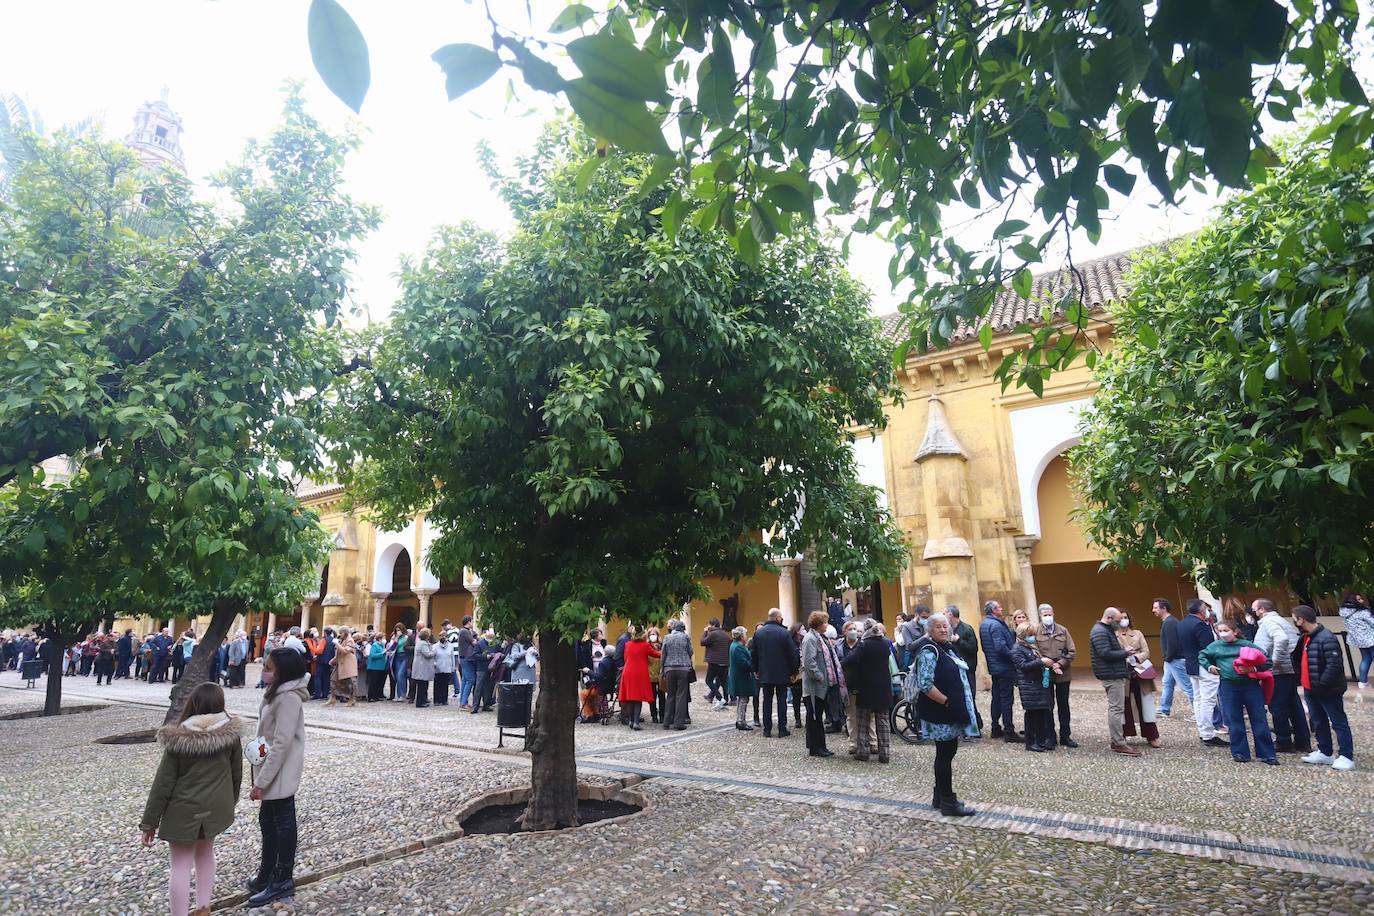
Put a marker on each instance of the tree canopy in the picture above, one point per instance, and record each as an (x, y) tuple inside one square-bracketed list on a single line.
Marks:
[(166, 346), (597, 413), (1234, 420), (894, 110)]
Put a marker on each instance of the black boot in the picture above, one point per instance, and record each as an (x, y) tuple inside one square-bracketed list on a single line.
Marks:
[(255, 884), (950, 806), (935, 799), (277, 890)]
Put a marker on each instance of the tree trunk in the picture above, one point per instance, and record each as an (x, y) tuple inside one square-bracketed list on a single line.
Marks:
[(197, 669), (553, 767), (52, 702)]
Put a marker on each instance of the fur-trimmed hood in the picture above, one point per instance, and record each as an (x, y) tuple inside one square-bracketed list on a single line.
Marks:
[(201, 736)]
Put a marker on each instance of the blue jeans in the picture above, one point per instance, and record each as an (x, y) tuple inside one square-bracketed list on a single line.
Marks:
[(1002, 685), (402, 669), (1328, 712), (1366, 659), (1290, 724), (469, 672), (1238, 700), (1175, 672)]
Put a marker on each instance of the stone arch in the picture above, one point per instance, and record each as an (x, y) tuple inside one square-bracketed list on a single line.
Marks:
[(1039, 435), (389, 547)]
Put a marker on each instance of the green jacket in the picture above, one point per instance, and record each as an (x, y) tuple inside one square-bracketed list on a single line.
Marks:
[(198, 781), (1223, 655)]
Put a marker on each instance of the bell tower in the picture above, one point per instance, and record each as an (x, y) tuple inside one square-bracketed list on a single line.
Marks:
[(156, 136)]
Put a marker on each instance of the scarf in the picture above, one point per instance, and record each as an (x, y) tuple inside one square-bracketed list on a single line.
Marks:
[(834, 671)]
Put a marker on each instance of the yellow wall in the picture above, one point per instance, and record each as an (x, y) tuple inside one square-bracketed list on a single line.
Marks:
[(1061, 538)]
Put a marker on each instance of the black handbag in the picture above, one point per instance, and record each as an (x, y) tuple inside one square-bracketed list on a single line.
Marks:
[(834, 705)]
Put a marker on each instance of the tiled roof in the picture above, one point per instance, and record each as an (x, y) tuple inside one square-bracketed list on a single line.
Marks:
[(1103, 279), (309, 489)]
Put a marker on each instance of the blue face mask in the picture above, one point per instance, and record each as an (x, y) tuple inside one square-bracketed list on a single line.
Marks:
[(1030, 638)]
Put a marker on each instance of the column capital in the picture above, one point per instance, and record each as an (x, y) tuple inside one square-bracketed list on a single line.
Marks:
[(425, 592), (379, 596), (1025, 543)]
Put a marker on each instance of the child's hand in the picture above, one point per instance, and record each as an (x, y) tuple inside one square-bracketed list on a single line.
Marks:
[(147, 837)]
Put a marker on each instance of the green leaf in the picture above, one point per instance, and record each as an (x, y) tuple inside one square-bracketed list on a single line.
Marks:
[(587, 172), (762, 224), (1010, 227), (868, 87), (1022, 282), (571, 17), (1350, 89), (788, 198), (1118, 179), (1057, 117), (339, 52), (616, 119), (1148, 336), (985, 336), (465, 67), (1340, 473), (619, 67)]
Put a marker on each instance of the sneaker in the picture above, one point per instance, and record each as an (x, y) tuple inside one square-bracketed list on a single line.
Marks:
[(1216, 741), (1271, 761), (1319, 757), (1164, 713), (1343, 763)]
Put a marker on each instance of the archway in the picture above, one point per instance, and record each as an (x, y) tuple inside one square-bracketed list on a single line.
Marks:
[(403, 606)]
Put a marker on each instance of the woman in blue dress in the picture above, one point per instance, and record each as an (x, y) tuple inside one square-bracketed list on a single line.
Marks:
[(945, 706)]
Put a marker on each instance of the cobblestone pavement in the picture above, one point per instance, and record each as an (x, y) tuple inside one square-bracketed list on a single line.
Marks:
[(68, 838)]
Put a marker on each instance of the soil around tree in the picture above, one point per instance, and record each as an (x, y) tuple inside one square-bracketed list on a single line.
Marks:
[(38, 713), (146, 736), (498, 819)]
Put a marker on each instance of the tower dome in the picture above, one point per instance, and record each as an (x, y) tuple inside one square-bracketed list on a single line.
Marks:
[(156, 136)]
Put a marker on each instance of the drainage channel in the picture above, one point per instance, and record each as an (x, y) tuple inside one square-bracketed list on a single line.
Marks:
[(1046, 821)]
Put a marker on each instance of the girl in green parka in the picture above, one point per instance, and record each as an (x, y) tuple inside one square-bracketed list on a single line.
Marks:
[(194, 792)]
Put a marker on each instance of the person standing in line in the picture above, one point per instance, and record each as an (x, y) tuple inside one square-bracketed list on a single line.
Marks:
[(868, 673), (997, 640), (467, 671), (1240, 694), (1277, 638), (1195, 634), (853, 633), (238, 660), (423, 672), (815, 682), (677, 675), (523, 658), (1317, 660), (194, 792), (1359, 633), (1054, 642), (965, 641), (481, 660), (1033, 673), (281, 723), (1140, 693), (345, 668), (124, 655), (1111, 666), (776, 660), (376, 668), (945, 706), (656, 710), (443, 666), (1175, 668), (717, 644), (910, 631), (635, 689), (742, 685), (105, 660)]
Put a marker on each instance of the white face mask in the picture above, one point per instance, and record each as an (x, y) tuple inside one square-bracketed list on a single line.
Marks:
[(653, 639), (1047, 620), (1125, 623)]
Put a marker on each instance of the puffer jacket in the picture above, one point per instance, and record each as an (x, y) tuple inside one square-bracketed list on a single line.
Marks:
[(1326, 670), (1109, 659), (1030, 678), (1359, 625), (1277, 638), (198, 781)]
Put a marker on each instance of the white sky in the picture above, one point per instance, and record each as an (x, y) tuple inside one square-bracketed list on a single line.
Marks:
[(224, 64)]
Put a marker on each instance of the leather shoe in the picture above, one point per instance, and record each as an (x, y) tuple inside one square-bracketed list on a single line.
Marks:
[(1125, 749), (935, 799), (277, 890), (783, 733), (255, 884), (823, 752), (1068, 742), (996, 733), (744, 726), (1216, 742), (1013, 738), (950, 806)]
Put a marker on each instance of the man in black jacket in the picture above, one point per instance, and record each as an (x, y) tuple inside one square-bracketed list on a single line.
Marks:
[(776, 661), (1317, 662), (1194, 634), (1111, 666), (717, 643)]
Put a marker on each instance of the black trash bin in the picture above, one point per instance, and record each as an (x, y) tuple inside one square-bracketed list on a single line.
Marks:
[(514, 704), (30, 670)]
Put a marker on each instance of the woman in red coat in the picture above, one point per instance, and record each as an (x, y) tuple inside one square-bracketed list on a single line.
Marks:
[(635, 689)]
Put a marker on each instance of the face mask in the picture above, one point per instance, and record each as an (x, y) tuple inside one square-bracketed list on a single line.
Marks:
[(851, 637), (269, 677), (1047, 620), (653, 639), (1030, 638), (1125, 624)]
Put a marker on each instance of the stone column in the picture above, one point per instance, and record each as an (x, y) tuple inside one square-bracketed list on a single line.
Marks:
[(379, 609), (271, 625), (305, 611), (476, 591), (944, 482), (787, 588), (1024, 545), (424, 594)]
